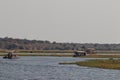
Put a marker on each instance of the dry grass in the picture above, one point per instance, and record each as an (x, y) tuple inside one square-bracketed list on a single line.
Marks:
[(63, 55), (41, 54), (44, 51)]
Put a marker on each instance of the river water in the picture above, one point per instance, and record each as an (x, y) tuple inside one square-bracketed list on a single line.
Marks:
[(47, 68)]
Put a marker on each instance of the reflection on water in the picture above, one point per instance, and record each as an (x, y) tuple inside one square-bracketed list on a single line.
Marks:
[(47, 68)]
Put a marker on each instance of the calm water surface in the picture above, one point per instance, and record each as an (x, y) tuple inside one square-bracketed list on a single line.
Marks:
[(47, 68)]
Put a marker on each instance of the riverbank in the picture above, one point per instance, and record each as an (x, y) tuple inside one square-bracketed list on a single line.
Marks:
[(105, 64), (37, 51), (66, 55), (42, 54)]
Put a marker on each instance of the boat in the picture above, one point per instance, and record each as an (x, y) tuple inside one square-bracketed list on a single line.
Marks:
[(10, 56), (5, 57)]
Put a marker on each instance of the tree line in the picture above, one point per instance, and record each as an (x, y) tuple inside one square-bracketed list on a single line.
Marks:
[(25, 44)]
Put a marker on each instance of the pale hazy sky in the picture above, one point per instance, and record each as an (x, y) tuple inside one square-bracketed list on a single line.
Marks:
[(81, 21)]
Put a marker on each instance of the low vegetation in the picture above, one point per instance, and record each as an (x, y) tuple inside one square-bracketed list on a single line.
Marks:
[(106, 64), (101, 56), (41, 54), (64, 55), (43, 51)]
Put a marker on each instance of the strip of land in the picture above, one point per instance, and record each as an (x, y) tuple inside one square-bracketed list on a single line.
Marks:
[(106, 64), (66, 55), (42, 54)]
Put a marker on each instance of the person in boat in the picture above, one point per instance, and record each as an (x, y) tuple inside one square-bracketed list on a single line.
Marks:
[(10, 55)]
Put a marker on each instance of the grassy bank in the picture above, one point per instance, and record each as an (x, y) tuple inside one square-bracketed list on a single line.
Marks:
[(37, 51), (64, 55), (55, 51), (101, 56), (41, 54), (106, 64)]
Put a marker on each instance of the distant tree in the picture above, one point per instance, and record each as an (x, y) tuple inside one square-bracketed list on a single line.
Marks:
[(11, 46)]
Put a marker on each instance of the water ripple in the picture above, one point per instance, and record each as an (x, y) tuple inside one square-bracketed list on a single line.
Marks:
[(47, 68)]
